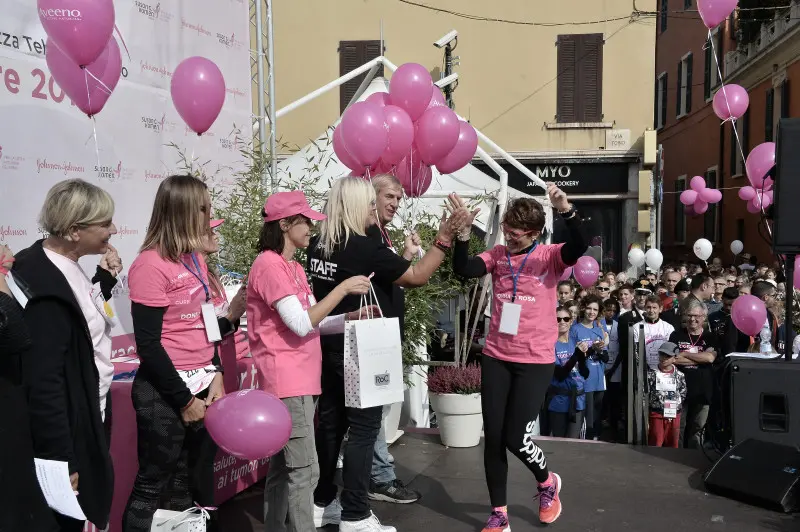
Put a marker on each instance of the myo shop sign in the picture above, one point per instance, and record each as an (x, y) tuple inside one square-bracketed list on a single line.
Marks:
[(572, 178)]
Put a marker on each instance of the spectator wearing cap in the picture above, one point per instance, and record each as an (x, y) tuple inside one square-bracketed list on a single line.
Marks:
[(672, 316), (666, 391)]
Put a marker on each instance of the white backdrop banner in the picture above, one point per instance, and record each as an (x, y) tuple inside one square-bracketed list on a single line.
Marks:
[(44, 138)]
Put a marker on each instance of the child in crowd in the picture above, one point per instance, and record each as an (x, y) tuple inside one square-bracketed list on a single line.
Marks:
[(667, 393)]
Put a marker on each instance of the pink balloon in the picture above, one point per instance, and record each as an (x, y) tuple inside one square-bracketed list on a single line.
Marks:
[(747, 193), (437, 133), (586, 271), (768, 183), (689, 211), (81, 28), (380, 99), (401, 134), (364, 132), (749, 314), (249, 424), (697, 183), (700, 207), (410, 88), (382, 167), (731, 101), (566, 275), (415, 176), (437, 98), (754, 206), (797, 271), (710, 195), (688, 197), (462, 153), (770, 196), (759, 162), (342, 153), (198, 92), (715, 11), (107, 68)]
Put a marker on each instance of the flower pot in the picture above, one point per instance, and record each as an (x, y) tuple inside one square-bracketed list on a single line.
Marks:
[(459, 418)]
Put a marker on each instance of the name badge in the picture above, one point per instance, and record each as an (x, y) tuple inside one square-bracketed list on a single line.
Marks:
[(671, 409), (693, 349), (509, 318), (210, 322)]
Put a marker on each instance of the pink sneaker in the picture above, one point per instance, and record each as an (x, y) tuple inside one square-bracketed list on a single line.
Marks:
[(549, 502)]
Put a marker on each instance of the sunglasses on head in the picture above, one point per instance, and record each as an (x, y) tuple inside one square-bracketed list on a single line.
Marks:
[(563, 319)]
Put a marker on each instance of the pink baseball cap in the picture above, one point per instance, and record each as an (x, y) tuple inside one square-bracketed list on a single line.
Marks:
[(285, 204), (216, 223)]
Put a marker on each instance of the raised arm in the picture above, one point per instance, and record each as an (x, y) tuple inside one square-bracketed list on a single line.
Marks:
[(575, 245)]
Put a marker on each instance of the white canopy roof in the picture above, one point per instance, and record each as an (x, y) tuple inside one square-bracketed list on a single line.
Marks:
[(318, 157)]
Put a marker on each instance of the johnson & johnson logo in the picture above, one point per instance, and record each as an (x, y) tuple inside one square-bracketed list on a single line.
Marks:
[(234, 91), (124, 230), (153, 12), (154, 176), (65, 167), (60, 14), (195, 27), (9, 231), (162, 71)]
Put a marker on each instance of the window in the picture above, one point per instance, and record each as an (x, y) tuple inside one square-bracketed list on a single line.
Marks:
[(769, 116), (353, 54), (680, 216), (743, 128), (740, 230), (712, 216), (580, 78), (684, 89), (784, 106), (661, 101), (687, 4), (664, 14), (711, 75)]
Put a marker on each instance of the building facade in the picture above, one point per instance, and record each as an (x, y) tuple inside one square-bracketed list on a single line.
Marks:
[(694, 140), (565, 87)]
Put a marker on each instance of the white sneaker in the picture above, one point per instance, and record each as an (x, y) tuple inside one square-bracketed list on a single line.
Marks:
[(330, 515), (370, 524)]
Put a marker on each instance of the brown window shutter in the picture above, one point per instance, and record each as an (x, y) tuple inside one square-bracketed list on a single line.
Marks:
[(769, 123), (590, 76), (688, 96), (785, 99), (567, 90), (353, 54)]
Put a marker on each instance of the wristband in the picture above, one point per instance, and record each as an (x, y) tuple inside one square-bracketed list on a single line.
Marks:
[(185, 408), (442, 246)]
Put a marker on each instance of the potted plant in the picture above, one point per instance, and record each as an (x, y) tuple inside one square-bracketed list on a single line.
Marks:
[(455, 394)]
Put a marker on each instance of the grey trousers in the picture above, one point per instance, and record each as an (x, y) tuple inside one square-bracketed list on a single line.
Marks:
[(293, 474)]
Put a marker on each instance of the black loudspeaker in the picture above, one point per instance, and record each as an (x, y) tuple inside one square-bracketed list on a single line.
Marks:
[(758, 473), (765, 401), (785, 236)]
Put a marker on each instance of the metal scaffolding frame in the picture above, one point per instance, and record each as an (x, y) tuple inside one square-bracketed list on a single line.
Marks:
[(265, 87)]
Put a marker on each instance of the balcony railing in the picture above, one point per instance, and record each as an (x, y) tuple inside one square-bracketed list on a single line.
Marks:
[(784, 22)]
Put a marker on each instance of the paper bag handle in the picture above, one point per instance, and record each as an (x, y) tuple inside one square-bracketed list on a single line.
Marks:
[(368, 299)]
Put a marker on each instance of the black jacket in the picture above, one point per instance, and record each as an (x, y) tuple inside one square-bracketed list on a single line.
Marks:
[(62, 382), (24, 507)]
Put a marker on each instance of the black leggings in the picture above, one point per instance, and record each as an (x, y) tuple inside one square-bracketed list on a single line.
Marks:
[(594, 414), (511, 396), (175, 462)]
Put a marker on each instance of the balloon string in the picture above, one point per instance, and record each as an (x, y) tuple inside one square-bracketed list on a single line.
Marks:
[(105, 87), (725, 94), (94, 122)]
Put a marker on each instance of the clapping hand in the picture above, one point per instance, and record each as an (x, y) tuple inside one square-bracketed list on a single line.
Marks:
[(460, 212)]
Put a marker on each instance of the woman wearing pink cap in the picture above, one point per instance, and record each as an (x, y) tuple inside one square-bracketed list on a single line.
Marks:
[(284, 326)]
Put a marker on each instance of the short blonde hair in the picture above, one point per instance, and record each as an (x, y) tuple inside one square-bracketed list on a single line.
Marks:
[(348, 209), (75, 203), (180, 220)]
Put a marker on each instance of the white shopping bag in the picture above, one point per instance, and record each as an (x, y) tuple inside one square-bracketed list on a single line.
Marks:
[(373, 361), (191, 520)]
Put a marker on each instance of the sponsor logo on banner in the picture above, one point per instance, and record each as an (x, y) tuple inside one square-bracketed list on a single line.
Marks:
[(187, 131), (157, 125), (7, 231), (60, 14), (236, 92), (66, 167), (121, 288), (230, 41), (194, 27), (153, 11), (10, 162), (232, 144), (113, 173), (42, 233), (163, 71), (126, 230), (155, 175)]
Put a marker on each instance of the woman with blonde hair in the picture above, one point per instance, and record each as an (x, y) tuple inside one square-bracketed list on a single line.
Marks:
[(68, 370), (343, 250), (180, 373)]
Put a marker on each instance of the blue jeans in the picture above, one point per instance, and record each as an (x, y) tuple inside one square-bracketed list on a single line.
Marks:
[(382, 469)]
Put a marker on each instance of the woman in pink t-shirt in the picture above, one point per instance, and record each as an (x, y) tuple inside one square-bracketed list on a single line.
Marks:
[(180, 372), (518, 359), (284, 325)]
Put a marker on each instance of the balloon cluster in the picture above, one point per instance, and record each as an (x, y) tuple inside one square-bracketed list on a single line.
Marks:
[(653, 258), (82, 55), (405, 133), (759, 194), (697, 198)]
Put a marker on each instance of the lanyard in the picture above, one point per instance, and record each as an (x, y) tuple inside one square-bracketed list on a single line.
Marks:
[(515, 276), (198, 274)]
